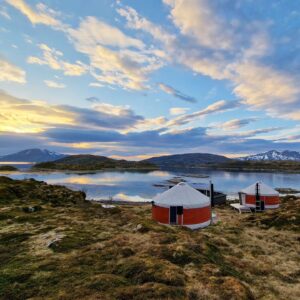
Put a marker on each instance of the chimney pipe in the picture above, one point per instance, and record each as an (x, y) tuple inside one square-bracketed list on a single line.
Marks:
[(212, 194)]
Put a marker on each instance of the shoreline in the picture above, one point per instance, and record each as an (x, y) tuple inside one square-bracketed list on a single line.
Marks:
[(120, 202), (94, 171), (246, 170), (243, 170)]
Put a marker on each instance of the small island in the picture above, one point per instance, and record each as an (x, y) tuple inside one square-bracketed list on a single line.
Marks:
[(8, 168), (86, 162)]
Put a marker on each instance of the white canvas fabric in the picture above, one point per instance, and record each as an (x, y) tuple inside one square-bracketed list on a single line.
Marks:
[(264, 190), (182, 195), (200, 225)]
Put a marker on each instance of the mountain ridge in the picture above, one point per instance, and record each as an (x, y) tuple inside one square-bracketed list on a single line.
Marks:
[(32, 155), (273, 155), (37, 155)]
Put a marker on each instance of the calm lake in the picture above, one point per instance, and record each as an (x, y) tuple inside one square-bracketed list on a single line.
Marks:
[(139, 186)]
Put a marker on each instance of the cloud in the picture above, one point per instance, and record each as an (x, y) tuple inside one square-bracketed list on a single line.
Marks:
[(153, 141), (103, 128), (105, 115), (11, 142), (82, 135), (55, 85), (176, 93), (255, 132), (217, 107), (137, 22), (210, 42), (10, 72), (147, 124), (24, 116), (152, 138), (198, 20), (20, 115), (236, 123), (290, 138), (209, 38), (264, 88), (115, 58), (95, 32), (93, 99), (53, 58), (41, 15), (96, 84), (4, 13), (174, 111)]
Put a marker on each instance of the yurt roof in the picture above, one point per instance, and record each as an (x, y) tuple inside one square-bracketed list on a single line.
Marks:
[(182, 195), (263, 190)]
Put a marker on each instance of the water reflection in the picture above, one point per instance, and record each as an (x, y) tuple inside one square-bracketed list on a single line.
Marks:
[(139, 186)]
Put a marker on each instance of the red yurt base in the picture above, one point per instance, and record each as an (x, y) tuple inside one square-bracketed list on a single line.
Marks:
[(193, 218)]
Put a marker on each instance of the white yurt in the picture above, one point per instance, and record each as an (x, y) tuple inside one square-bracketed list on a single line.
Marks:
[(259, 196), (182, 205)]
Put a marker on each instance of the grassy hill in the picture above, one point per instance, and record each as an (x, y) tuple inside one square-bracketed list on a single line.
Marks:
[(187, 160), (91, 162), (8, 168), (88, 162), (56, 245), (212, 161)]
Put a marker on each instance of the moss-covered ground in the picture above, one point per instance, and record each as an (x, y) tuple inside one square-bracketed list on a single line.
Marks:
[(56, 245)]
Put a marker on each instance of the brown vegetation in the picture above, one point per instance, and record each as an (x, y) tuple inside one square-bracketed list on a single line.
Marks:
[(8, 168), (56, 245)]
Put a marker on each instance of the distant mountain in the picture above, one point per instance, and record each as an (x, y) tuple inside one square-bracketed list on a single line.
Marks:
[(187, 160), (273, 155), (87, 162), (32, 155)]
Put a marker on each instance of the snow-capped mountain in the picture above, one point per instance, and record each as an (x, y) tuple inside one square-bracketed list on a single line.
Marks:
[(32, 155), (274, 155)]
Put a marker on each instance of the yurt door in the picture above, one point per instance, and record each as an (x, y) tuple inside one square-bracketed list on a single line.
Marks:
[(173, 215)]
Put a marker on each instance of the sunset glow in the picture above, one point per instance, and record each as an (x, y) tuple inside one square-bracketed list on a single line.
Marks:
[(135, 79)]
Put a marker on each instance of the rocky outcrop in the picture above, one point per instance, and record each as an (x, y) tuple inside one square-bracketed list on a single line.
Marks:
[(30, 189)]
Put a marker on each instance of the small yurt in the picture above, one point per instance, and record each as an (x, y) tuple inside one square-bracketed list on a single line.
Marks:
[(259, 196), (182, 205)]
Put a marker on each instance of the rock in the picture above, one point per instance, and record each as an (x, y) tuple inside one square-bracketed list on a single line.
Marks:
[(159, 185), (138, 227), (287, 191), (53, 243), (176, 180), (31, 209), (4, 179), (141, 228)]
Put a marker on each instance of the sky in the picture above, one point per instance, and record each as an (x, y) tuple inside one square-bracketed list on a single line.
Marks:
[(134, 79)]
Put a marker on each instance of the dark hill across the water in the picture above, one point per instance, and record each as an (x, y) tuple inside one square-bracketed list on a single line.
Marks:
[(188, 160), (213, 161), (92, 162)]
